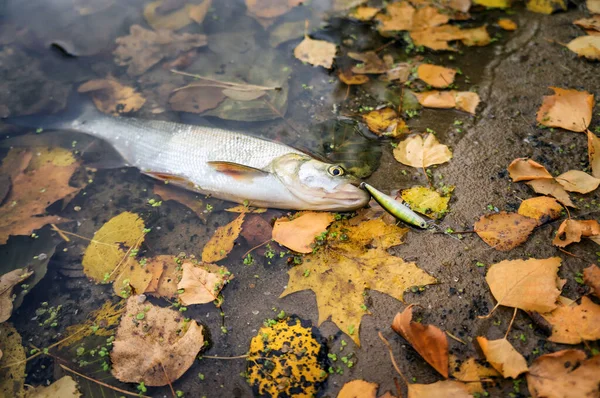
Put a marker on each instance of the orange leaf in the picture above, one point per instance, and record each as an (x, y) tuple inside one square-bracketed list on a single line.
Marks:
[(507, 24), (578, 181), (564, 374), (416, 152), (540, 208), (531, 285), (189, 199), (429, 341), (503, 357), (358, 389), (385, 122), (594, 153), (440, 389), (221, 243), (463, 100), (552, 188), (573, 324), (364, 13), (299, 234), (571, 231), (523, 169), (504, 231), (568, 109), (202, 283), (591, 277), (470, 371), (436, 76), (351, 79)]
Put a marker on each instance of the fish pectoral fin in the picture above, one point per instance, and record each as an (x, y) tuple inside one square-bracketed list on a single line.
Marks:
[(236, 170), (171, 178)]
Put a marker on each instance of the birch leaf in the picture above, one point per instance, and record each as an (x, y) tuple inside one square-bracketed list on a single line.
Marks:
[(552, 188), (221, 243), (202, 283), (503, 357), (418, 152), (574, 323), (436, 76), (504, 231), (594, 153), (578, 181), (541, 208), (316, 52), (591, 277), (567, 109), (523, 169)]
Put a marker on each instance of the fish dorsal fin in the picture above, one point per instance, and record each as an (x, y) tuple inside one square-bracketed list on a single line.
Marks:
[(236, 170)]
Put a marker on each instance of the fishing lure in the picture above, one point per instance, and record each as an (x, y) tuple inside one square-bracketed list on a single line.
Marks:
[(396, 208)]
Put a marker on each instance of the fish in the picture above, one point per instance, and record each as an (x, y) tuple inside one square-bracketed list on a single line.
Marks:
[(396, 208), (221, 163)]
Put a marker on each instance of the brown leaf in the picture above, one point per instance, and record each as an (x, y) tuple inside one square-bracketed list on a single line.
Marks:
[(437, 37), (593, 6), (370, 63), (564, 374), (316, 52), (418, 152), (436, 76), (503, 357), (400, 73), (552, 188), (112, 97), (591, 277), (398, 17), (587, 47), (523, 169), (594, 153), (299, 234), (143, 48), (257, 231), (7, 282), (592, 23), (221, 243), (358, 389), (578, 181), (567, 109), (504, 231), (440, 389), (531, 285), (65, 387), (507, 24), (428, 340), (202, 283), (351, 79), (184, 197), (470, 371), (385, 122), (540, 208), (153, 344), (196, 99), (165, 276), (571, 231), (572, 323), (463, 100), (270, 8), (176, 19), (12, 378)]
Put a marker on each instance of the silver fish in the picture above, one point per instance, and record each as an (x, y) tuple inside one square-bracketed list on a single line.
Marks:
[(224, 164)]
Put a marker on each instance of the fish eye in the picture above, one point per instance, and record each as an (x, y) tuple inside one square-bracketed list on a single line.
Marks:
[(336, 171)]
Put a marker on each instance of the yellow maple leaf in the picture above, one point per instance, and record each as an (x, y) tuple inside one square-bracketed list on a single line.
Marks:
[(352, 259)]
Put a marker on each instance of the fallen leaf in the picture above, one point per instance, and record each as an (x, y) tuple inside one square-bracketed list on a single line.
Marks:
[(110, 247), (546, 6), (292, 348), (100, 322), (166, 274), (385, 122), (436, 76), (112, 97), (438, 37), (463, 100), (65, 387), (524, 169), (504, 231), (177, 19), (567, 109), (153, 344), (12, 378), (593, 6), (578, 181), (571, 231), (351, 79), (257, 231), (572, 323), (358, 389), (565, 373), (531, 285), (370, 63), (494, 3), (541, 208), (591, 277), (197, 12), (426, 201), (428, 340), (592, 23), (196, 98), (470, 371), (552, 188), (7, 283), (267, 11), (221, 243), (594, 153), (202, 283), (364, 13), (189, 199), (352, 258), (143, 48), (440, 389), (503, 357), (588, 47), (246, 209), (400, 73), (299, 234), (418, 152), (316, 52), (507, 24), (398, 17)]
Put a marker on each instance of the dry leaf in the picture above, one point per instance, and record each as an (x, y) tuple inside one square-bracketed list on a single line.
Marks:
[(436, 76), (494, 3), (398, 17), (593, 6), (426, 201), (351, 259), (385, 122), (428, 340), (364, 13), (153, 344), (592, 23), (507, 24), (541, 208), (572, 323), (504, 231), (546, 6), (143, 48), (463, 100), (202, 283), (578, 181), (503, 357), (571, 231), (588, 47), (469, 371), (531, 285), (564, 374), (437, 37), (221, 243), (12, 378), (112, 97), (189, 199), (594, 153), (316, 52), (418, 152), (568, 109), (440, 389), (591, 277), (523, 169), (358, 389), (399, 73), (370, 63), (299, 234), (65, 387), (7, 282), (351, 79), (552, 188)]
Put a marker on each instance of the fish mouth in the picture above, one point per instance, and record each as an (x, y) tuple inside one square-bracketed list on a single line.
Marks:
[(350, 194)]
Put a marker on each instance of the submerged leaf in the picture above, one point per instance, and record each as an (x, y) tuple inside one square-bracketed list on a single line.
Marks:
[(494, 3), (316, 52), (12, 378), (385, 122), (112, 97), (418, 152), (426, 201), (65, 387), (7, 282), (572, 323), (299, 234), (436, 76), (541, 208), (189, 199), (177, 19), (504, 231), (202, 283), (567, 109), (221, 243), (351, 79), (503, 357), (463, 100)]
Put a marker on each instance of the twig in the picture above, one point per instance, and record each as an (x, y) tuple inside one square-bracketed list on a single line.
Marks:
[(569, 253), (61, 232), (389, 347), (256, 247), (511, 322), (168, 380), (242, 86), (455, 338), (102, 384), (126, 256)]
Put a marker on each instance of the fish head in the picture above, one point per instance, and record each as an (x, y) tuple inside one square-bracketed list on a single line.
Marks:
[(319, 185)]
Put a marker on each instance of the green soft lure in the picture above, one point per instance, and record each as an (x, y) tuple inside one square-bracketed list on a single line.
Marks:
[(396, 208)]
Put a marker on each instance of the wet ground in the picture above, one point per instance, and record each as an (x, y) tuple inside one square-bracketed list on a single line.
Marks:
[(511, 75)]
